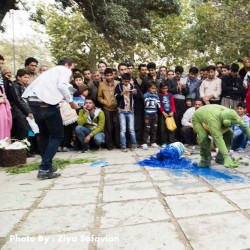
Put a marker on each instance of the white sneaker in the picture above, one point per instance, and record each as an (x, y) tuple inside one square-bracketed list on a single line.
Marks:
[(164, 145), (144, 146), (154, 145), (59, 149)]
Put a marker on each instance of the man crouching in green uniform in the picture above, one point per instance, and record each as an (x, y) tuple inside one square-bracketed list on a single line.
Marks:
[(216, 120)]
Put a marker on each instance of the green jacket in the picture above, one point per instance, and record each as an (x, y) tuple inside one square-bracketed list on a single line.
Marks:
[(96, 125)]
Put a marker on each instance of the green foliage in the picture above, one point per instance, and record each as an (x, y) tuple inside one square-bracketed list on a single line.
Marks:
[(57, 163)]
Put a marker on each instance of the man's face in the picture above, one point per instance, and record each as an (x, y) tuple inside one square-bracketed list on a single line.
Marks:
[(24, 79), (170, 75), (109, 77), (43, 69), (192, 76), (198, 104), (241, 111), (79, 82), (1, 64), (125, 82), (87, 74), (32, 67), (123, 69), (89, 105), (130, 70), (211, 74), (219, 67), (224, 71), (204, 74), (234, 74), (178, 75), (102, 67), (246, 64), (163, 71), (96, 77), (6, 72), (152, 72), (143, 71)]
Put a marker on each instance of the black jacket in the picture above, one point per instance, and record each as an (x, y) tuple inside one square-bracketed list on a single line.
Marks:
[(19, 107)]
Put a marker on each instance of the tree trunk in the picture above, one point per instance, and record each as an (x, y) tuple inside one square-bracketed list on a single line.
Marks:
[(5, 6)]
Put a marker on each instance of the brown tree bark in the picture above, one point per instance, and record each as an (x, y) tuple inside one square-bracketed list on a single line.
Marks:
[(5, 6)]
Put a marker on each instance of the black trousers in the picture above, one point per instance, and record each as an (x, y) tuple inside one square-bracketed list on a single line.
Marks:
[(112, 128), (164, 135), (188, 136), (150, 127), (20, 128)]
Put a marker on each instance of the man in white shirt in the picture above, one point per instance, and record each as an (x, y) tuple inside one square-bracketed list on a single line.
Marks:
[(187, 131), (210, 89), (44, 95)]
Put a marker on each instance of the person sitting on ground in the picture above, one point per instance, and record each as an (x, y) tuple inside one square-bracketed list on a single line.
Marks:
[(240, 139), (188, 134), (90, 127), (216, 120)]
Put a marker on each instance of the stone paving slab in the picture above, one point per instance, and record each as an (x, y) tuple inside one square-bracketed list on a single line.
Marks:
[(9, 219), (119, 178), (229, 231), (132, 213), (58, 220), (122, 168), (144, 236), (80, 170), (128, 191), (197, 204), (68, 197)]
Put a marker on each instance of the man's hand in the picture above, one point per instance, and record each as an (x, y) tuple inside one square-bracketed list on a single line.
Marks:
[(206, 99), (87, 139), (73, 105), (30, 115), (134, 91), (85, 110)]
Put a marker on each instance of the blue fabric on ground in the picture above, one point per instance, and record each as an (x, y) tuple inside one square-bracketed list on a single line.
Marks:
[(99, 164)]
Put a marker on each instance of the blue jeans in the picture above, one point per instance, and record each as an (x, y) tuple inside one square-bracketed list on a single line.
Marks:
[(82, 132), (51, 133), (239, 141), (127, 118)]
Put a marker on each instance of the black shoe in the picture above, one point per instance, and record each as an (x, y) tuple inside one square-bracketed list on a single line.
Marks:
[(110, 147), (53, 169), (42, 175)]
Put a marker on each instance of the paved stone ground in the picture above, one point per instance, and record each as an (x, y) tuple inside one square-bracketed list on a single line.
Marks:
[(123, 206)]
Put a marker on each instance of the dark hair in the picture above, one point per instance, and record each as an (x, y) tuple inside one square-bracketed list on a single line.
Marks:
[(121, 64), (235, 67), (29, 60), (89, 98), (86, 70), (103, 63), (65, 60), (226, 66), (108, 71), (126, 76), (141, 65), (114, 70), (203, 68), (170, 71), (179, 69), (130, 64), (162, 67), (241, 104), (194, 70), (199, 100), (1, 57), (75, 69), (22, 72), (150, 84), (77, 76), (219, 63), (211, 67), (163, 84), (151, 65)]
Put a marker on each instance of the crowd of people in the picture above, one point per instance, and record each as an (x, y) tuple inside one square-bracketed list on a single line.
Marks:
[(115, 108)]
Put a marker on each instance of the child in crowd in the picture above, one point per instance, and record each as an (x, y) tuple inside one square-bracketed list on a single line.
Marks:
[(151, 105), (167, 109), (240, 139), (124, 93), (83, 92), (78, 82), (19, 108)]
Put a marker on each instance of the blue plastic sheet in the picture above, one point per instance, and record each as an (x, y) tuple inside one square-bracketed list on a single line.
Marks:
[(169, 158), (99, 164)]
